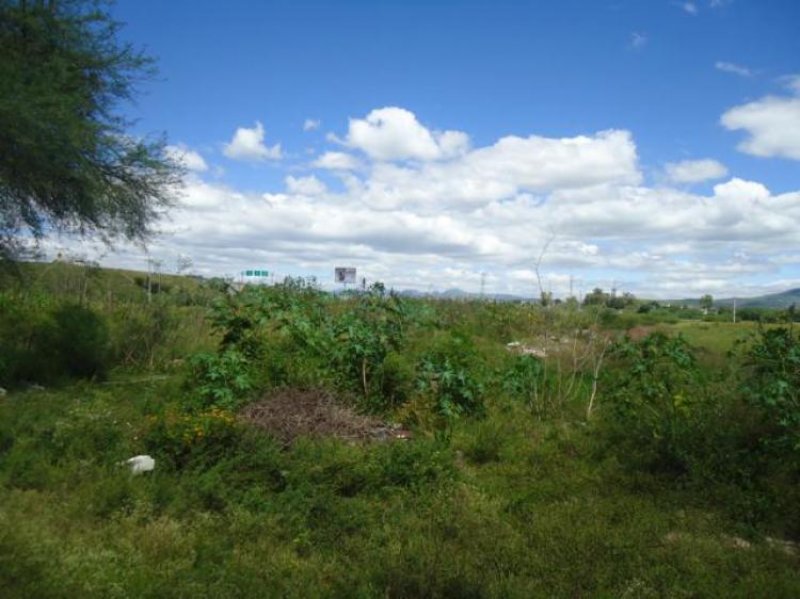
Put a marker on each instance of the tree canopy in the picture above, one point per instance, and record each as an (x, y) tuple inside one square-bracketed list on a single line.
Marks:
[(67, 161)]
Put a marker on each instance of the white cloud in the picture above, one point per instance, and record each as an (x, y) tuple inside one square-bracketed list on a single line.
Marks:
[(439, 223), (187, 157), (792, 82), (311, 124), (393, 133), (729, 67), (306, 186), (689, 7), (695, 171), (772, 124), (248, 144), (336, 161), (508, 167), (638, 40), (740, 190)]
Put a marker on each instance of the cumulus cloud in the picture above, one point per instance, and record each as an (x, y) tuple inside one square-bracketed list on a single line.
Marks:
[(440, 222), (504, 169), (738, 189), (661, 236), (772, 125), (248, 144), (393, 133), (307, 186), (311, 124), (190, 159), (695, 171), (729, 67), (336, 161)]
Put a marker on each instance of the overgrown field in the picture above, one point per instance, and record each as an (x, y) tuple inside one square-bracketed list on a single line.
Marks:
[(309, 445)]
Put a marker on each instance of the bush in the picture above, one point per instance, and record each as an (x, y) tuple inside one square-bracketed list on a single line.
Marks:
[(80, 341), (526, 379), (178, 438), (139, 331), (43, 344), (222, 380), (772, 386), (452, 387), (650, 408)]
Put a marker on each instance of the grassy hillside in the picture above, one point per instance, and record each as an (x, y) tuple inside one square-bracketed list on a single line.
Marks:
[(774, 300)]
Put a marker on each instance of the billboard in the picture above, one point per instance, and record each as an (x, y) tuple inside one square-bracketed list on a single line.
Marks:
[(344, 274), (255, 273)]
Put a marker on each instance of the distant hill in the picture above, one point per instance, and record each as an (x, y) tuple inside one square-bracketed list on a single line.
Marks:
[(780, 300), (88, 281), (456, 293)]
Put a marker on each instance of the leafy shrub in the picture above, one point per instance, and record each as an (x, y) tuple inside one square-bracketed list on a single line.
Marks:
[(222, 380), (651, 405), (364, 335), (80, 341), (44, 344), (772, 386), (526, 379), (453, 389), (20, 326), (179, 437), (139, 331)]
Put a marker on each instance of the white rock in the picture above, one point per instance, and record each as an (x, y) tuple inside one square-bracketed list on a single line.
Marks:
[(141, 463)]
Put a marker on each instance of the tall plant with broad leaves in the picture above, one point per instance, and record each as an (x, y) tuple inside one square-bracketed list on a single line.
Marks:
[(653, 402), (772, 385), (365, 334)]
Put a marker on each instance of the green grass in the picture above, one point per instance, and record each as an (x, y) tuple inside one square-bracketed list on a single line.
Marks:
[(511, 507), (513, 504), (715, 337)]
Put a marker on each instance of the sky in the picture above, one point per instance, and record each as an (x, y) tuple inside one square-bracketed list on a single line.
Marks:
[(650, 146)]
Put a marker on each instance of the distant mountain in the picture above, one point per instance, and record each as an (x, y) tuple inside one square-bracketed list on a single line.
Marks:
[(456, 293), (780, 300)]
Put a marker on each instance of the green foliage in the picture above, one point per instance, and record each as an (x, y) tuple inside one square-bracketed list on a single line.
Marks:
[(525, 379), (222, 380), (295, 333), (179, 438), (365, 334), (648, 499), (79, 341), (67, 160), (772, 385), (46, 343), (486, 443), (651, 404), (448, 376)]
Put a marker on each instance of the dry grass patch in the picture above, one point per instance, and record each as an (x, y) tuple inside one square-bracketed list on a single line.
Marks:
[(290, 413)]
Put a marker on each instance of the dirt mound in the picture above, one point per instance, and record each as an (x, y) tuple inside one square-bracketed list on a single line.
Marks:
[(291, 413)]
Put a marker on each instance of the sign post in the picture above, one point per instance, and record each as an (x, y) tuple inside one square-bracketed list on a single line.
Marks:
[(344, 275), (259, 274)]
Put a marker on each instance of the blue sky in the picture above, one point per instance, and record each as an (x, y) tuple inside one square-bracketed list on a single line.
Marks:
[(649, 144)]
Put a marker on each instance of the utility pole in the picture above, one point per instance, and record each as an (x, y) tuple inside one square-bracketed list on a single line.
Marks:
[(149, 287), (483, 283), (734, 310)]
